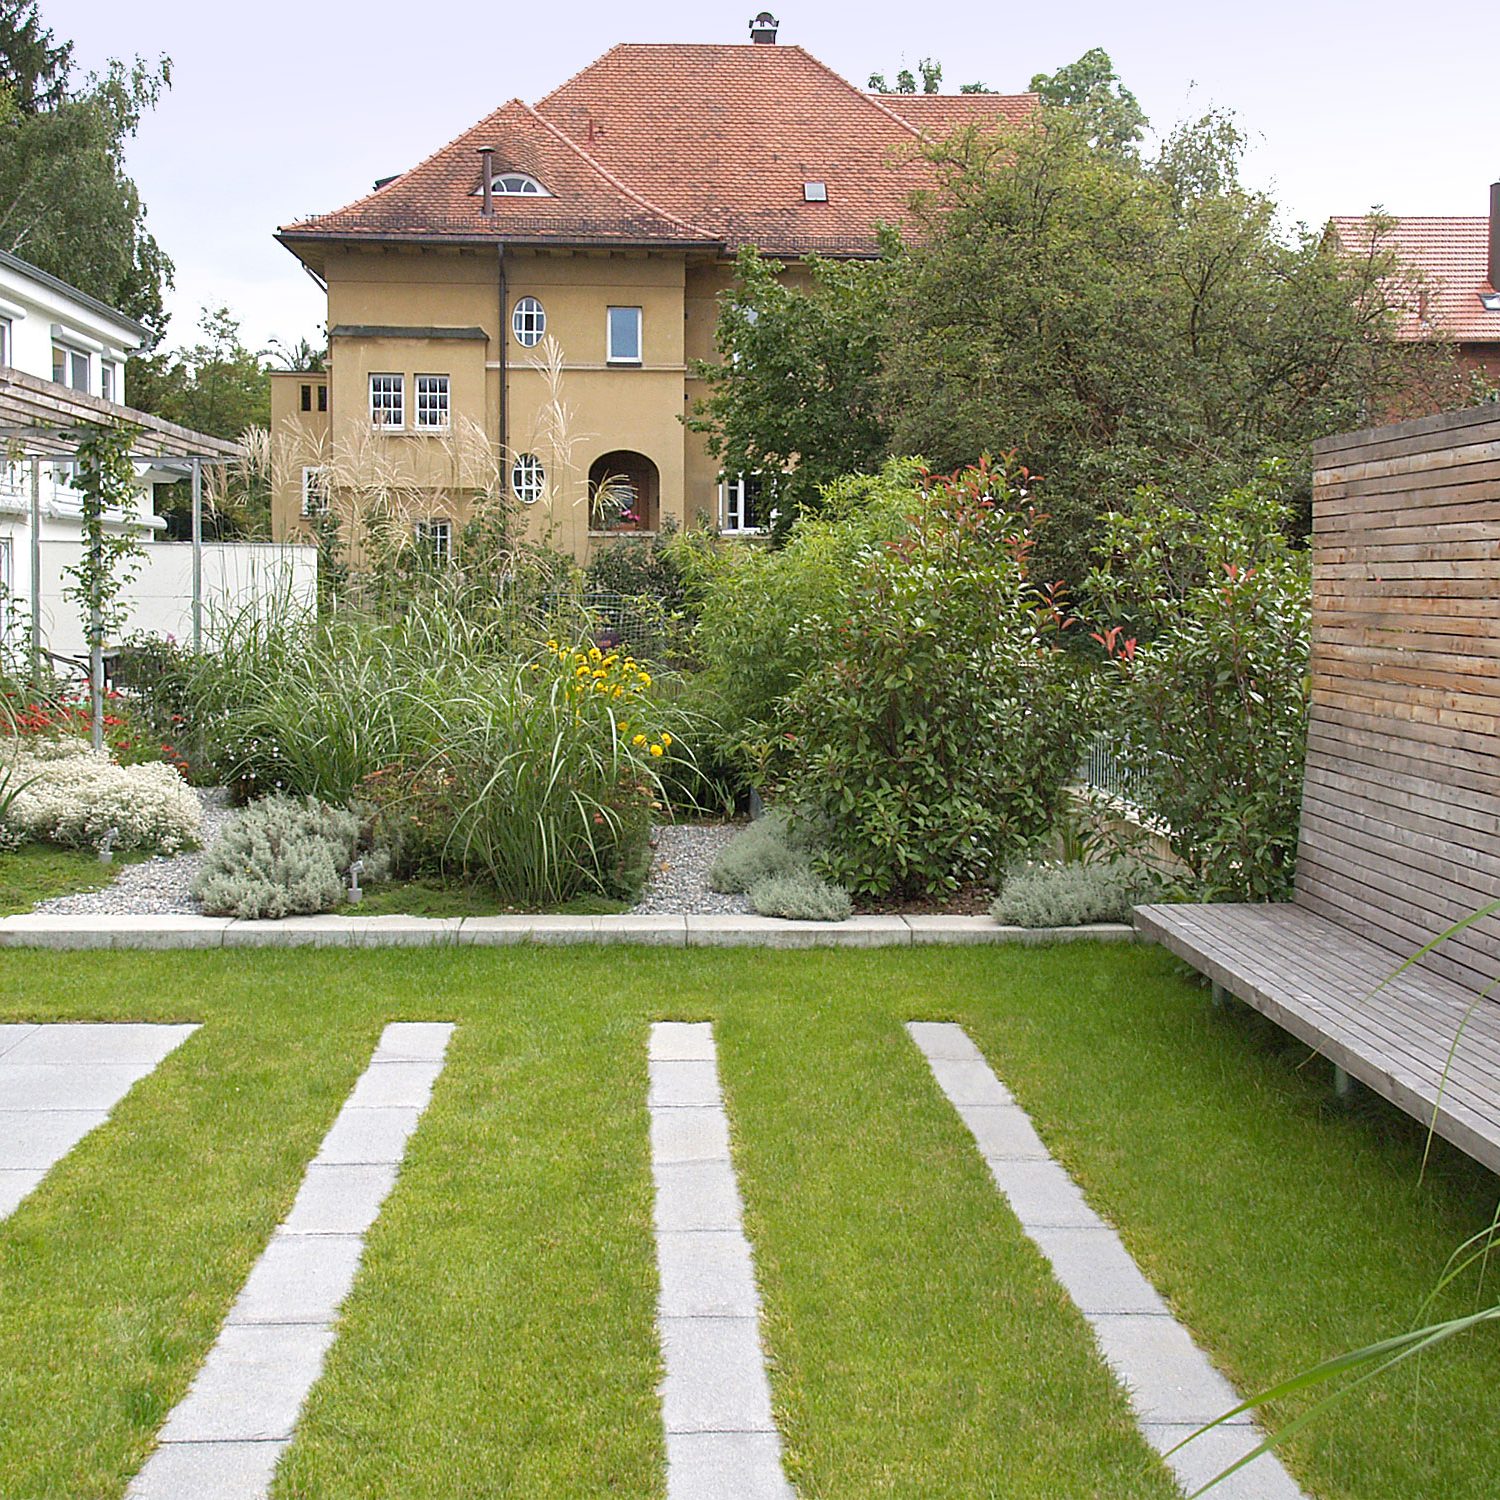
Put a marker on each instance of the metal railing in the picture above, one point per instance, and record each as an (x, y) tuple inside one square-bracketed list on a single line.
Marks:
[(1109, 768)]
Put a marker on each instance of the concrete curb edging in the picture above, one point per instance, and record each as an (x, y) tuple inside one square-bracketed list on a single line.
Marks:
[(58, 931)]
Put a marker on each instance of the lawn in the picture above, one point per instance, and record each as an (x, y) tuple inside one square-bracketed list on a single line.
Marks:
[(500, 1337), (38, 872)]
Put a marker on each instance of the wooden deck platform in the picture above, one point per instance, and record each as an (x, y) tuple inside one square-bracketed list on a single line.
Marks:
[(1327, 988)]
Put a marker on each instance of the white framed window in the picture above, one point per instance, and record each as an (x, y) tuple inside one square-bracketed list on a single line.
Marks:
[(744, 503), (387, 401), (108, 387), (6, 341), (314, 491), (529, 322), (517, 185), (527, 478), (624, 336), (70, 367), (432, 402), (435, 538)]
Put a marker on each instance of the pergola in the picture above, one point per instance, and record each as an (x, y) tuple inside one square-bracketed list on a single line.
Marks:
[(42, 421)]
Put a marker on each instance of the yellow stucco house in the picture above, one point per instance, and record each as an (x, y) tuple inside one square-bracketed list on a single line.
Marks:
[(519, 313)]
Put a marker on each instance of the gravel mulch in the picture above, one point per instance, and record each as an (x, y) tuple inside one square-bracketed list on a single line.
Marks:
[(157, 886), (681, 854)]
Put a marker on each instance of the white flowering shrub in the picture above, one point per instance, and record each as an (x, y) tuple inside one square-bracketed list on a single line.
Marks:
[(60, 791)]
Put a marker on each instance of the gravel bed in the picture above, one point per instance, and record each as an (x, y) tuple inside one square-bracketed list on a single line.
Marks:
[(157, 886), (681, 854)]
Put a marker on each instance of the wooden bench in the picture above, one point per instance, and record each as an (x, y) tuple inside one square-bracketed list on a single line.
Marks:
[(1400, 827)]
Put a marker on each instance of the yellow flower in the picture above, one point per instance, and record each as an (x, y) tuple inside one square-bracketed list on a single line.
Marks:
[(640, 739), (666, 739), (595, 654), (581, 672), (644, 679), (656, 750), (619, 692), (624, 726), (552, 645)]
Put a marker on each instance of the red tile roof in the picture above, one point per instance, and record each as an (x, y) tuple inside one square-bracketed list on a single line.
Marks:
[(1451, 252), (680, 144)]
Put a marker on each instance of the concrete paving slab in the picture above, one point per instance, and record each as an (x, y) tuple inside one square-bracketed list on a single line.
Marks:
[(66, 1086), (291, 932), (13, 1032), (693, 1195), (675, 1084), (725, 1466), (1005, 1131), (968, 1083), (270, 1351), (1168, 1377), (390, 1085), (113, 1043), (689, 1134), (715, 1376), (1172, 1386), (339, 1200), (1042, 1195), (706, 1275), (1206, 1456), (36, 1138), (496, 931), (944, 1040), (775, 932), (251, 1386), (370, 1137), (299, 1278), (16, 1184), (396, 931), (413, 1041), (681, 1041), (197, 1471), (1097, 1271)]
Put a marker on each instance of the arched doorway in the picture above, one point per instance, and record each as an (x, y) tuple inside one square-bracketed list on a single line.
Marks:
[(624, 492)]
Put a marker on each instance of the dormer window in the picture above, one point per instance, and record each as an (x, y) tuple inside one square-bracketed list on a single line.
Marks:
[(518, 185)]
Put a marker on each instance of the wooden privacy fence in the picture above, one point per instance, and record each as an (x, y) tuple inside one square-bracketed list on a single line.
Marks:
[(1400, 830)]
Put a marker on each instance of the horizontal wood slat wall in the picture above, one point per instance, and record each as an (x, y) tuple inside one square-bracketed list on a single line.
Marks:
[(1401, 810)]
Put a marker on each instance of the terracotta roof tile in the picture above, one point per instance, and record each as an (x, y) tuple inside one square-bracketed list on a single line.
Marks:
[(676, 143), (1452, 253)]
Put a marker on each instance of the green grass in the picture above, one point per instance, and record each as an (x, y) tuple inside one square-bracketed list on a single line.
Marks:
[(500, 1338), (38, 872), (430, 897)]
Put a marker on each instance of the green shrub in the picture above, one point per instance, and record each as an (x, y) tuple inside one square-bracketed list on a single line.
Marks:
[(1213, 708), (751, 602), (760, 851), (638, 567), (934, 734), (1072, 895), (801, 896), (281, 857)]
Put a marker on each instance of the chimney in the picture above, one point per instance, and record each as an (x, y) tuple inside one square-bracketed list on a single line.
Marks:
[(1495, 236), (763, 29), (487, 178)]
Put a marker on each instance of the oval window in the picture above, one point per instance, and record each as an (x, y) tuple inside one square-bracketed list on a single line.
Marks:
[(527, 478), (529, 320)]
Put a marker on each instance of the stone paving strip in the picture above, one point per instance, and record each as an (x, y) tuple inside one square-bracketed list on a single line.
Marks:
[(60, 1081), (722, 1443), (224, 1437), (52, 930), (1172, 1386)]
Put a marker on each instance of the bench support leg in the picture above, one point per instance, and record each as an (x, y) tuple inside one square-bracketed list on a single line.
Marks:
[(1343, 1085), (1221, 997)]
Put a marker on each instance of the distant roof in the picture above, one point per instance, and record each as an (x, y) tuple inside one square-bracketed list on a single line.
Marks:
[(1452, 253), (680, 145), (57, 284)]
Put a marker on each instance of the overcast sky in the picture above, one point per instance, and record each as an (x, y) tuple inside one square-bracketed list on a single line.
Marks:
[(281, 108)]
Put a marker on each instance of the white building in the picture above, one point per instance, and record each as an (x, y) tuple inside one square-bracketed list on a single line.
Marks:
[(76, 349)]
